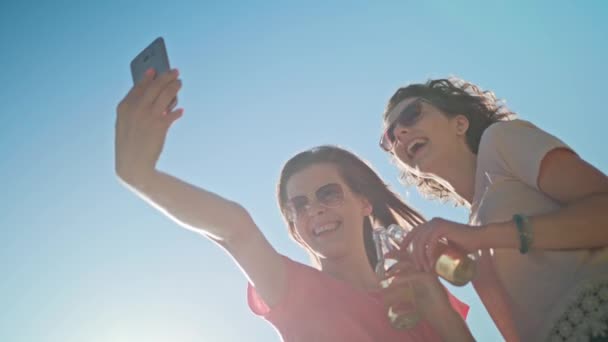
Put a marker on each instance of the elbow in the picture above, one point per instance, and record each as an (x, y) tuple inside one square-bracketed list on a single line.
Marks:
[(243, 228)]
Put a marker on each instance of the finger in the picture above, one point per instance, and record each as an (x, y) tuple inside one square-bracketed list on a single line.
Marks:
[(415, 243), (135, 92), (413, 246), (429, 256), (400, 268), (400, 290), (398, 296), (172, 104), (421, 284), (398, 254), (173, 116), (158, 85), (166, 97), (419, 246), (428, 241), (411, 235), (434, 240), (139, 88)]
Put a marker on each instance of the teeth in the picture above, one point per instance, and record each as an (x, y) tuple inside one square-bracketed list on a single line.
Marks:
[(324, 228), (412, 145)]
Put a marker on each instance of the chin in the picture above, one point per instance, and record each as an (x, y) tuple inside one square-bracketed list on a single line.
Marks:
[(333, 254), (428, 167)]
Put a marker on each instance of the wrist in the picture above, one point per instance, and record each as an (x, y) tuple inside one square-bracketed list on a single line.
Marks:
[(449, 325), (499, 235)]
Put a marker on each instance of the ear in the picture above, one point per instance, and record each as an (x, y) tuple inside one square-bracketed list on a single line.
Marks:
[(366, 207), (461, 124)]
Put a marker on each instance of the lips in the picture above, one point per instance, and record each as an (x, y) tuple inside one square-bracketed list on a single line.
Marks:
[(325, 228)]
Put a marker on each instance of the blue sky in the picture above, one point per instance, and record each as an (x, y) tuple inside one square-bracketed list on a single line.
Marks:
[(82, 259)]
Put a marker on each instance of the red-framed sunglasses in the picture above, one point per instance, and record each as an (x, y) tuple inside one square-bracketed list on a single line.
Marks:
[(329, 195), (408, 116)]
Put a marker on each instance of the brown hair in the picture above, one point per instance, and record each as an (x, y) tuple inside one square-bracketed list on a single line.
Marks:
[(362, 180), (452, 96)]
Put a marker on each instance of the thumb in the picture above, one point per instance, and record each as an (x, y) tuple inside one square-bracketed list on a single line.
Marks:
[(173, 116)]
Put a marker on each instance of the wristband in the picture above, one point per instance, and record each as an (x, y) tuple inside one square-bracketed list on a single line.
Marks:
[(524, 230)]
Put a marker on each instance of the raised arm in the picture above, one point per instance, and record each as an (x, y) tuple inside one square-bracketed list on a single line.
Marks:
[(141, 128)]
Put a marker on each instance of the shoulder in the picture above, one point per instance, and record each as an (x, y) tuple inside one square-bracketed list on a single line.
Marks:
[(516, 148), (507, 130), (301, 280), (260, 305), (513, 136)]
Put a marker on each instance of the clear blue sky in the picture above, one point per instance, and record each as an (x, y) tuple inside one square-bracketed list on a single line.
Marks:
[(82, 259)]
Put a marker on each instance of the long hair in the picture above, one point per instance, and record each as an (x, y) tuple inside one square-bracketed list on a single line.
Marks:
[(387, 207), (452, 96)]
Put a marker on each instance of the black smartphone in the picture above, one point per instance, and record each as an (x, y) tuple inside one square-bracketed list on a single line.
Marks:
[(153, 56)]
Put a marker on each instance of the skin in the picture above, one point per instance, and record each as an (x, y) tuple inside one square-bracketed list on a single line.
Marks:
[(582, 189), (581, 223), (142, 125), (341, 251), (442, 151)]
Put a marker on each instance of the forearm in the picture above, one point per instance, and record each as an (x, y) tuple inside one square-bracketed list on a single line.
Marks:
[(582, 224), (191, 207), (450, 326)]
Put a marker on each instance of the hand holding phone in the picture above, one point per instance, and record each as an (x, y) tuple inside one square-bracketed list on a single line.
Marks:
[(145, 114), (153, 56)]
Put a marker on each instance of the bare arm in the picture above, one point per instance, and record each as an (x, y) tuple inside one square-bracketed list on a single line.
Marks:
[(495, 298), (192, 207), (141, 128), (581, 223)]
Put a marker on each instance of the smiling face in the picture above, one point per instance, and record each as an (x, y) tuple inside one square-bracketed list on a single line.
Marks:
[(329, 226), (430, 141)]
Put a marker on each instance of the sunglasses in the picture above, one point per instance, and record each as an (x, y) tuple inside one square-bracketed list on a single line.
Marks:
[(408, 116), (329, 195)]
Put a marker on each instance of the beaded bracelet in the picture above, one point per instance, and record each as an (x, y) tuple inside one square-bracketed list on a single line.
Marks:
[(525, 232)]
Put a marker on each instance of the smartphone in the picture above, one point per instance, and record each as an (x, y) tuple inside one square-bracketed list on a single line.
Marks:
[(153, 56)]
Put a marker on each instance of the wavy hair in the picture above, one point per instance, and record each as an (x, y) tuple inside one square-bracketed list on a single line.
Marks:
[(452, 96)]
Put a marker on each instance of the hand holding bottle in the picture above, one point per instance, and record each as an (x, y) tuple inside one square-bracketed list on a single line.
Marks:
[(445, 259), (410, 291)]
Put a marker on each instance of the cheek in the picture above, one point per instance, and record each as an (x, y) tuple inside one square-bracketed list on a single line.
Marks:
[(444, 142), (401, 156), (299, 229), (352, 215)]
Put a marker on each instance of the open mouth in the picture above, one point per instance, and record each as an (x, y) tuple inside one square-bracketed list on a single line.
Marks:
[(415, 146), (325, 228)]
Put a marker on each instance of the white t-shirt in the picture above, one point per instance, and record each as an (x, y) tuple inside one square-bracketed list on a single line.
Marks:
[(540, 283)]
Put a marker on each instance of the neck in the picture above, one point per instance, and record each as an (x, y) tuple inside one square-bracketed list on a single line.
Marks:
[(355, 271), (461, 175)]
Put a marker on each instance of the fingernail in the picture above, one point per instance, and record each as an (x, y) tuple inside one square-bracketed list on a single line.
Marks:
[(176, 71), (150, 72), (164, 113)]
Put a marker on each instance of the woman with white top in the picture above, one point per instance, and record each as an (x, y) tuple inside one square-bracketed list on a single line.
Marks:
[(538, 211)]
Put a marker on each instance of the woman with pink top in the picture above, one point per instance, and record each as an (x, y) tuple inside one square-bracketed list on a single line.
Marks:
[(538, 211), (329, 198)]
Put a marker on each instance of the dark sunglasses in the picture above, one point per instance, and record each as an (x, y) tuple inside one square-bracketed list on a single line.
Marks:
[(329, 195), (408, 116)]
